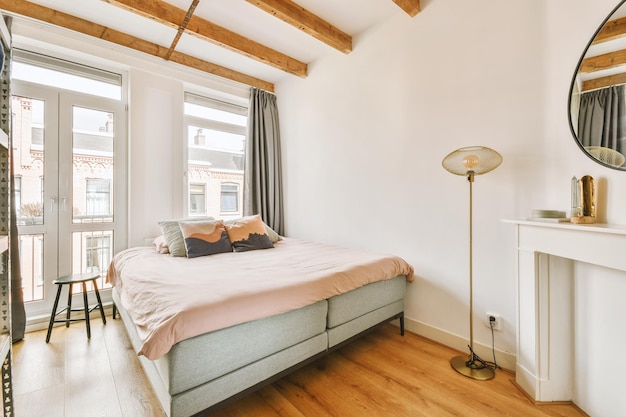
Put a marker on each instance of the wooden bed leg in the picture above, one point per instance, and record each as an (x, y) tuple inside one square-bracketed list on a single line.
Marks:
[(401, 324), (114, 311)]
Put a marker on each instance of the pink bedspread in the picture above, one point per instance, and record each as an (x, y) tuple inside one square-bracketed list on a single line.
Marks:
[(171, 299)]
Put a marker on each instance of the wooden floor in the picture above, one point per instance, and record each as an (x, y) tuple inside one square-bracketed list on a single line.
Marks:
[(381, 374)]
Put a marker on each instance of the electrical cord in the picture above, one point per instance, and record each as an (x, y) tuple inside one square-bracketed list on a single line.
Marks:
[(476, 362), (493, 365)]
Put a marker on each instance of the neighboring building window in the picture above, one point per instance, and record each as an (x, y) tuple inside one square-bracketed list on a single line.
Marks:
[(98, 251), (229, 199), (216, 136), (98, 197), (197, 199)]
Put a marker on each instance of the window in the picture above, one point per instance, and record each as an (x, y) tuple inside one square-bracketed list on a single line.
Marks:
[(229, 199), (32, 67), (98, 252), (216, 135), (197, 198), (69, 138), (98, 195)]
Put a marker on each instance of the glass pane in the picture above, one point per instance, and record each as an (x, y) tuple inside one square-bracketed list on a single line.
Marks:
[(31, 262), (92, 147), (214, 114), (28, 148), (92, 252), (46, 76), (215, 139), (215, 157), (229, 202)]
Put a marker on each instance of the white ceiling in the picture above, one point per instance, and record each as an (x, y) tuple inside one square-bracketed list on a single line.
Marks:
[(350, 16)]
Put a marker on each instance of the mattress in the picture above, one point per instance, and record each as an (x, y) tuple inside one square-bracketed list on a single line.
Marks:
[(173, 299)]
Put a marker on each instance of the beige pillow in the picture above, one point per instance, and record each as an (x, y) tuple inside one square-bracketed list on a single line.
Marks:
[(205, 238), (248, 233), (173, 236)]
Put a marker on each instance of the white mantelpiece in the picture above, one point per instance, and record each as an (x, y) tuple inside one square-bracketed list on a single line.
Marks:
[(546, 253)]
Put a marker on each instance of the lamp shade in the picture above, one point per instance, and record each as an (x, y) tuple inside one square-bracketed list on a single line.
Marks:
[(476, 159)]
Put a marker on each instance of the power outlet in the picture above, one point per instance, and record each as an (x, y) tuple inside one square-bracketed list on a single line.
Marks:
[(495, 319)]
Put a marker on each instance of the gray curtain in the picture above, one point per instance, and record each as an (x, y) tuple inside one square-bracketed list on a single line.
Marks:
[(263, 183), (602, 117)]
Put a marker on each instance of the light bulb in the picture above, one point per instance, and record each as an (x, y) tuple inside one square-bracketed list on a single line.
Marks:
[(470, 162)]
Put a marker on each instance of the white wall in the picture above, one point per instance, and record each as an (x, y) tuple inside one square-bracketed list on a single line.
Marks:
[(364, 136), (599, 307), (156, 153)]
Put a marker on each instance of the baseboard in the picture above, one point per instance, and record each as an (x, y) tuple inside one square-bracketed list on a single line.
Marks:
[(504, 359), (41, 322)]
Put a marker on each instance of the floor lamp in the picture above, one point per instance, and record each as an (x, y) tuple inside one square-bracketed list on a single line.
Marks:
[(471, 161)]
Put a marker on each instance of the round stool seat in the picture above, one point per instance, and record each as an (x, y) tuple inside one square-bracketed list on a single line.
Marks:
[(86, 309), (77, 278)]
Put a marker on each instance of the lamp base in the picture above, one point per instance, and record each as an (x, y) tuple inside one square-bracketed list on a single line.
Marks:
[(471, 368)]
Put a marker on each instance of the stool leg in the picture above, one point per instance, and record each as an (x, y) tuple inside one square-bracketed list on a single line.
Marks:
[(69, 305), (95, 289), (85, 301), (114, 311), (54, 313)]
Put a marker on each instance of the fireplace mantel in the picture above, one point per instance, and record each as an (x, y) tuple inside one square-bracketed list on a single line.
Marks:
[(546, 253)]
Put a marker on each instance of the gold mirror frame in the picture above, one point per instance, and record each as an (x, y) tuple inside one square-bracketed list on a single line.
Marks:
[(604, 156)]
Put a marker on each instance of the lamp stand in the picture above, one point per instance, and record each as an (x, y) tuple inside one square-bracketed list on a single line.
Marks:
[(471, 366)]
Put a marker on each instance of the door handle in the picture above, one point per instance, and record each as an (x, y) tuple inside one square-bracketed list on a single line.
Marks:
[(53, 202)]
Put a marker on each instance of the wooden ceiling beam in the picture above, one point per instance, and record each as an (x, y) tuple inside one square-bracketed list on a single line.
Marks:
[(412, 7), (297, 16), (603, 62), (604, 82), (614, 29), (181, 28), (76, 24), (172, 16)]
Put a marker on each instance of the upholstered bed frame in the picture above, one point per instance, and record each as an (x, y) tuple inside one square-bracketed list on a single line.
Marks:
[(204, 373)]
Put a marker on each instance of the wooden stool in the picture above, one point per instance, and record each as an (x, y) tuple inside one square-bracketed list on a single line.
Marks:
[(71, 280)]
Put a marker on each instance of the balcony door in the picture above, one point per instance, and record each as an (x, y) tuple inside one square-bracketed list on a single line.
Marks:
[(69, 168)]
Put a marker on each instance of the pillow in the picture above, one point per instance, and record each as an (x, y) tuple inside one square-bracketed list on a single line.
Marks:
[(205, 238), (161, 245), (274, 237), (248, 233), (173, 236)]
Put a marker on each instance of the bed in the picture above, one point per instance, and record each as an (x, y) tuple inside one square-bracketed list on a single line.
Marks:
[(211, 329)]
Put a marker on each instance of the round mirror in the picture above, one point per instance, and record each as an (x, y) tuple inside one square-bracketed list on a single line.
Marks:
[(597, 96)]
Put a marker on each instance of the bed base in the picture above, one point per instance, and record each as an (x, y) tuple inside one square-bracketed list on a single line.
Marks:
[(228, 401), (349, 322)]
